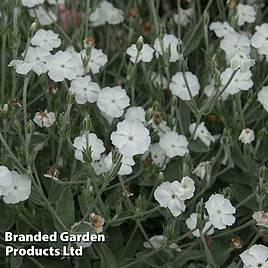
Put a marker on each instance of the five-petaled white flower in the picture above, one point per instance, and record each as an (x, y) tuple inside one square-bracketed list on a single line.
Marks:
[(245, 13), (45, 16), (240, 81), (35, 59), (19, 190), (263, 97), (85, 89), (95, 145), (255, 256), (44, 119), (191, 223), (46, 39), (106, 12), (184, 88), (220, 211), (247, 136), (260, 39), (113, 101), (221, 28), (202, 133), (131, 138), (241, 60), (232, 43), (169, 45), (145, 55), (63, 65), (172, 195), (174, 144), (95, 60)]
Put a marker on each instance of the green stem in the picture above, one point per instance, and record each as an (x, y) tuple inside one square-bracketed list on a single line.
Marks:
[(207, 251), (24, 102)]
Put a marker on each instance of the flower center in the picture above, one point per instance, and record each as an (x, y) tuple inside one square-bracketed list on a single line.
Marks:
[(130, 138), (15, 187), (112, 100), (259, 265), (173, 196), (219, 211)]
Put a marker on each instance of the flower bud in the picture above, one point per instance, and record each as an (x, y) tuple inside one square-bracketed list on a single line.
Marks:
[(139, 43), (228, 192), (70, 98), (149, 114), (30, 127), (262, 172), (89, 41), (32, 29), (200, 214), (87, 124), (161, 177), (205, 18)]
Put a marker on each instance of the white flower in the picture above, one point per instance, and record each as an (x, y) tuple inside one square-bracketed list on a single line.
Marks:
[(221, 28), (34, 60), (260, 39), (220, 211), (145, 55), (172, 195), (126, 167), (46, 39), (210, 91), (44, 16), (261, 218), (191, 223), (263, 97), (169, 44), (63, 65), (202, 133), (247, 136), (174, 144), (135, 113), (255, 256), (99, 166), (5, 180), (178, 85), (186, 188), (113, 101), (159, 80), (19, 190), (201, 170), (131, 138), (106, 12), (241, 81), (185, 16), (84, 89), (44, 119), (31, 3), (168, 196), (158, 155), (245, 13), (157, 241), (242, 61), (95, 144), (95, 60), (232, 43)]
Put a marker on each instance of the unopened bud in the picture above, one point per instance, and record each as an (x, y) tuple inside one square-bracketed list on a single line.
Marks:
[(161, 177), (205, 18), (228, 192), (89, 42), (139, 43), (70, 98), (262, 172), (87, 124), (149, 114), (32, 29), (200, 214), (30, 127)]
